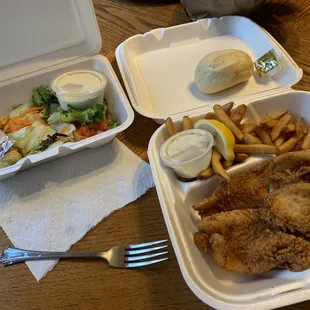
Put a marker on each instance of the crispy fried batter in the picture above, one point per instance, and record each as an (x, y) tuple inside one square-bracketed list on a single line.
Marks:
[(289, 207), (245, 190), (249, 189), (266, 217), (239, 241)]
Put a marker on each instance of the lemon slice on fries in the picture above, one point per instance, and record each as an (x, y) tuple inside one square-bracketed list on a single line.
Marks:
[(224, 138)]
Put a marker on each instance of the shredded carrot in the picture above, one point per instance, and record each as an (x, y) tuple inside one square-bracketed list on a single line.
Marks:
[(7, 127), (16, 124), (64, 129), (39, 118), (32, 110)]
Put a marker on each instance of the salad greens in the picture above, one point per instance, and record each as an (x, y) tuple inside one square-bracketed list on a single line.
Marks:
[(38, 125), (94, 114), (42, 95)]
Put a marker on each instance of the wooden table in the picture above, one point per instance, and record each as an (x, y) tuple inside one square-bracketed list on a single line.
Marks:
[(85, 285)]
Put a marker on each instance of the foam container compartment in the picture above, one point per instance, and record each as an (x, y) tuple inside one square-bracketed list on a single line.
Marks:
[(34, 55), (212, 284), (158, 67)]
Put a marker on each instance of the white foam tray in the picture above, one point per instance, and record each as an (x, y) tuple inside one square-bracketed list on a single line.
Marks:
[(158, 67), (118, 106), (33, 55), (213, 285)]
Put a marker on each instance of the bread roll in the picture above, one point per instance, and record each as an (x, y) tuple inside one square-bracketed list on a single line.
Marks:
[(223, 69)]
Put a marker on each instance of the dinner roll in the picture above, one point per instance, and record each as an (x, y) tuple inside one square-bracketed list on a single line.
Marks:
[(223, 69)]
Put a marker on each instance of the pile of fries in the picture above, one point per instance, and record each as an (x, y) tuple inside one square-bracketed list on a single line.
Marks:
[(277, 134)]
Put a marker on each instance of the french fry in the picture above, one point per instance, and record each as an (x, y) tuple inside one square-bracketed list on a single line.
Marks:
[(227, 163), (250, 139), (187, 123), (210, 115), (300, 126), (237, 115), (241, 157), (224, 118), (305, 145), (297, 147), (280, 140), (263, 135), (170, 127), (279, 126), (206, 173), (270, 124), (248, 127), (255, 149), (289, 127), (276, 117), (227, 107), (289, 144), (217, 167)]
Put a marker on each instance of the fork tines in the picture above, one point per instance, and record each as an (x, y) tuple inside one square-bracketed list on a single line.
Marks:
[(132, 253)]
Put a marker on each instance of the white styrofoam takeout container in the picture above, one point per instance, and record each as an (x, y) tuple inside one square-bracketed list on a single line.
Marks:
[(158, 71), (212, 284), (158, 67), (41, 40)]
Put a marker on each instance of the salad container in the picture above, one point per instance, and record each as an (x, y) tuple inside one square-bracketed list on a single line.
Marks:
[(40, 40), (158, 69)]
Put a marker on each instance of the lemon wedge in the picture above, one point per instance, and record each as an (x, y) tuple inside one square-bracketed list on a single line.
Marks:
[(224, 138)]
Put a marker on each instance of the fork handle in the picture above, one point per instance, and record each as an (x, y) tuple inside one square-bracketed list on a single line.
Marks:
[(14, 255)]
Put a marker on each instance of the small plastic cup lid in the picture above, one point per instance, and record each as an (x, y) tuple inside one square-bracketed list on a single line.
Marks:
[(80, 83), (185, 148)]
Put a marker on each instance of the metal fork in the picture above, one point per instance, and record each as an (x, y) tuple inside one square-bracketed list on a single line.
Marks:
[(126, 256)]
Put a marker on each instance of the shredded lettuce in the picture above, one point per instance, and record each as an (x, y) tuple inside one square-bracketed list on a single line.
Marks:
[(94, 114), (112, 123), (38, 134), (18, 110), (45, 113), (20, 137), (41, 95)]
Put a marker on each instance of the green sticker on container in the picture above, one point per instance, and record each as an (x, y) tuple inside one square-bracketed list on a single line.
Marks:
[(268, 64)]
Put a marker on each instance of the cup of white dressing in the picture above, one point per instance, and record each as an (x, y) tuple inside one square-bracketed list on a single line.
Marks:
[(188, 152), (79, 89)]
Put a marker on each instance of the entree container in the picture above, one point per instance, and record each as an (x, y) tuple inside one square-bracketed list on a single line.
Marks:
[(158, 70)]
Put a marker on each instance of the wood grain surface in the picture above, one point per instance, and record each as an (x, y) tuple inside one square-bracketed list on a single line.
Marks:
[(92, 285)]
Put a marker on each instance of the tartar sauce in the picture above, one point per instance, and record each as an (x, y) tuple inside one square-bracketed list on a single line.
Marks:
[(188, 152)]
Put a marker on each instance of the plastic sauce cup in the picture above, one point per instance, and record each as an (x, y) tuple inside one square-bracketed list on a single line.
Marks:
[(188, 152), (79, 89)]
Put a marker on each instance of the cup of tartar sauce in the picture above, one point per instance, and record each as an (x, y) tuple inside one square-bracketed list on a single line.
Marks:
[(188, 152), (79, 89)]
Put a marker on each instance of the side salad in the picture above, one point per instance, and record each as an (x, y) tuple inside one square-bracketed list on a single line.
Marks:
[(36, 126)]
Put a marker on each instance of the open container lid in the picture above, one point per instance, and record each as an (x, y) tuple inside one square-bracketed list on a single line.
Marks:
[(158, 67), (36, 35)]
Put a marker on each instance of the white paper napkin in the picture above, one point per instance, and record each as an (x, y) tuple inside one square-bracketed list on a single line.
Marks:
[(52, 206)]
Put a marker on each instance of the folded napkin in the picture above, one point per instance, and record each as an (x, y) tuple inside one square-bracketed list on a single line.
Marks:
[(52, 206)]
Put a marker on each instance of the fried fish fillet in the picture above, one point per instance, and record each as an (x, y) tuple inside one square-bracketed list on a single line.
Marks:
[(249, 189), (289, 208), (261, 218), (240, 241)]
